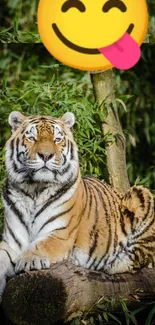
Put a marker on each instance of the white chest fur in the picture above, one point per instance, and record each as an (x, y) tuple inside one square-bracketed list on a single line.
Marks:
[(34, 217)]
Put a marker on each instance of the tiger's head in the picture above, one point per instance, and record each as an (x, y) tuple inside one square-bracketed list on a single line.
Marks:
[(41, 148)]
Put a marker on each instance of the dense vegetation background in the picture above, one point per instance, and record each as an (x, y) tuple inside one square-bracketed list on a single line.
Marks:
[(18, 21), (34, 83)]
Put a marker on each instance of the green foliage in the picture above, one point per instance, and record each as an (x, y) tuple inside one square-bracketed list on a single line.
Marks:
[(104, 312), (18, 21), (150, 316), (139, 120)]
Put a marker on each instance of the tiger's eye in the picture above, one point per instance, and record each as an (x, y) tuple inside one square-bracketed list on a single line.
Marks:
[(58, 140)]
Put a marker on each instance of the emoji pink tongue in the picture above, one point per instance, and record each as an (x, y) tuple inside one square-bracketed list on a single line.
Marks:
[(124, 53)]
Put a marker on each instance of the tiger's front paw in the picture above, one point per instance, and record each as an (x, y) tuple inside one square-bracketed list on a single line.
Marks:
[(6, 270), (32, 263)]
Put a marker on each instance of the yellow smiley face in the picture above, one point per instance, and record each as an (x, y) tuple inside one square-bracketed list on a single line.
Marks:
[(93, 34)]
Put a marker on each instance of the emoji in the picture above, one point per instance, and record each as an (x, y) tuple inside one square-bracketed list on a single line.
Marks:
[(93, 34)]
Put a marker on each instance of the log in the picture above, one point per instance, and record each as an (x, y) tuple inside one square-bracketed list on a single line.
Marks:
[(48, 296)]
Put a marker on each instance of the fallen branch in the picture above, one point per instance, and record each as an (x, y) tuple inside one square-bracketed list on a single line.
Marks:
[(45, 297)]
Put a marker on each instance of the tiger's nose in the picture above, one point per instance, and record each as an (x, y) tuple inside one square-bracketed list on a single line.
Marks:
[(45, 156)]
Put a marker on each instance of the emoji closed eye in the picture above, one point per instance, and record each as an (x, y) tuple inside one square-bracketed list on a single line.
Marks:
[(73, 4), (114, 4)]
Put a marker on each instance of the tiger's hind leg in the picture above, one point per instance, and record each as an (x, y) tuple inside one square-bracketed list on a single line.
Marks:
[(138, 224), (122, 264), (130, 259)]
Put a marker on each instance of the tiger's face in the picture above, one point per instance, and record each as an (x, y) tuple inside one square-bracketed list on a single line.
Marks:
[(41, 148)]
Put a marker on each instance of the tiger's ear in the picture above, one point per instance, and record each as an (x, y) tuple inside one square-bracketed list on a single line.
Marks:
[(68, 119), (15, 119)]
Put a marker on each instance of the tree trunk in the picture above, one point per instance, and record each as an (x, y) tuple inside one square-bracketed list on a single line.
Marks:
[(104, 88), (64, 291)]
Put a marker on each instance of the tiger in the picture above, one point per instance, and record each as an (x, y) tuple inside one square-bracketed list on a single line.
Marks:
[(52, 213)]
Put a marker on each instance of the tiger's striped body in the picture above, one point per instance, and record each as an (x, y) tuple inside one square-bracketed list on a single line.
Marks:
[(52, 214)]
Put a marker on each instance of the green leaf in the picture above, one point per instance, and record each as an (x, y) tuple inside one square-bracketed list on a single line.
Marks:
[(150, 316), (115, 318), (122, 103), (105, 315)]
